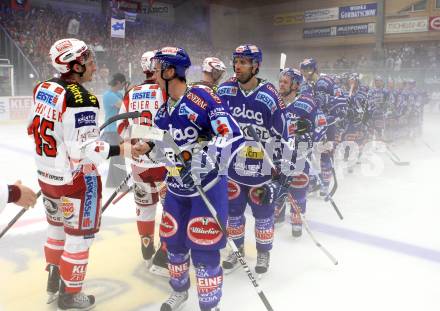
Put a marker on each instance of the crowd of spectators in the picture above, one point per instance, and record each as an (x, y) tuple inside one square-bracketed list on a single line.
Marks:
[(37, 29), (397, 58)]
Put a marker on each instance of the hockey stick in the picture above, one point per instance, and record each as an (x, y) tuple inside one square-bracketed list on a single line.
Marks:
[(283, 58), (257, 139), (144, 131), (328, 197), (16, 217), (335, 182), (427, 145), (306, 226), (115, 193), (395, 158), (123, 194), (121, 116)]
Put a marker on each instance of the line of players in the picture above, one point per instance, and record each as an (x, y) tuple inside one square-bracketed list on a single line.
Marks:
[(211, 125)]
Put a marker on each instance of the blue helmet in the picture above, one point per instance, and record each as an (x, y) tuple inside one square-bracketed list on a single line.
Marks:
[(173, 57), (249, 51), (325, 85), (309, 64), (294, 74)]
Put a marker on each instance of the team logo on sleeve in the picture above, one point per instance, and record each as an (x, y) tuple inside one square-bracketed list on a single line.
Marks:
[(320, 120), (267, 100), (47, 97), (204, 231), (227, 90), (221, 126), (303, 106), (184, 110)]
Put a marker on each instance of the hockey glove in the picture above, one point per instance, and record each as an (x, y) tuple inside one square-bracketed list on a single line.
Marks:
[(196, 167), (273, 192), (264, 195)]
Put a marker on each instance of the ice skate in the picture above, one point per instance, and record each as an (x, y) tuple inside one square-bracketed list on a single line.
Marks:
[(231, 263), (53, 283), (323, 192), (159, 264), (75, 302), (263, 259), (175, 301)]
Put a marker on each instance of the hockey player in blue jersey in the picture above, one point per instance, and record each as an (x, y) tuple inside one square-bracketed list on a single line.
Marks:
[(329, 99), (355, 130), (256, 102), (304, 120), (391, 115), (377, 107), (309, 71), (192, 115)]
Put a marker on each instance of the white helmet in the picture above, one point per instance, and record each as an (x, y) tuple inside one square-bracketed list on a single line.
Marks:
[(65, 51), (146, 63), (211, 63)]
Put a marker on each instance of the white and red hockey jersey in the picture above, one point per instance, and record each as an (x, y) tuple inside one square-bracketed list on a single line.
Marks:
[(146, 98), (64, 127)]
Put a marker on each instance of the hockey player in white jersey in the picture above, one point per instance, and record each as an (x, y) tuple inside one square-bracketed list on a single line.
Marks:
[(148, 176), (64, 127)]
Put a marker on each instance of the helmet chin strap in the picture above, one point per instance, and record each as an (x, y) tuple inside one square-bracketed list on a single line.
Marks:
[(79, 73), (167, 80)]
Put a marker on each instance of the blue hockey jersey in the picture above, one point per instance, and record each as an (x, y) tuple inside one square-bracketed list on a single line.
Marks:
[(261, 108), (198, 116)]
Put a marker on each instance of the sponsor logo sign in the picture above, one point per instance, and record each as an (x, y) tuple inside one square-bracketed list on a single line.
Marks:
[(321, 15), (418, 24), (434, 23), (358, 11), (288, 18)]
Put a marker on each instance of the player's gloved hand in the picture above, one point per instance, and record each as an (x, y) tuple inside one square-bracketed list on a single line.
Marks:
[(196, 167), (263, 195), (272, 192)]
